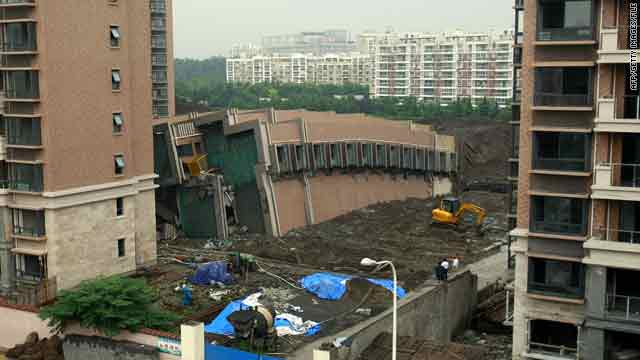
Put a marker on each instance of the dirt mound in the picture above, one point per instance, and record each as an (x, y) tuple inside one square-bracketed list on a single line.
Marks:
[(400, 231), (421, 349), (37, 349)]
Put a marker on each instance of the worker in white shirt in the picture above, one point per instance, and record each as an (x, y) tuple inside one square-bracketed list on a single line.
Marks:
[(455, 263), (445, 268)]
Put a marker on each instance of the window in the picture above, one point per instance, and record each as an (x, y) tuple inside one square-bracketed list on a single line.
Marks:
[(553, 338), (381, 155), (319, 156), (557, 215), (284, 160), (556, 278), (185, 150), (563, 20), (301, 157), (352, 155), (115, 79), (117, 123), (367, 154), (114, 34), (563, 87), (121, 251), (420, 159), (120, 206), (394, 156), (561, 151), (119, 164), (334, 155), (407, 158), (199, 149)]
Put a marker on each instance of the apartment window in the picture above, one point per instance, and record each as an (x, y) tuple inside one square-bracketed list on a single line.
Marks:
[(563, 87), (185, 150), (120, 206), (115, 79), (558, 215), (121, 250), (19, 36), (114, 34), (25, 177), (319, 158), (118, 123), (335, 157), (431, 160), (119, 164), (564, 20), (553, 338), (367, 154), (23, 131), (301, 157), (284, 159), (421, 159), (30, 267), (352, 155), (407, 158), (623, 294), (556, 278), (381, 155), (28, 223), (561, 151)]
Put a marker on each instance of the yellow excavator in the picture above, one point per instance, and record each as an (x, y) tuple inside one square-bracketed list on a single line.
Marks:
[(452, 212)]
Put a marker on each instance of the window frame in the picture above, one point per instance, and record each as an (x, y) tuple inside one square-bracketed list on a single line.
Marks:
[(116, 80), (115, 36), (119, 164)]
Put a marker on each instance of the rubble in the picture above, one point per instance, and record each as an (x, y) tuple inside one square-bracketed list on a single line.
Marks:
[(37, 349)]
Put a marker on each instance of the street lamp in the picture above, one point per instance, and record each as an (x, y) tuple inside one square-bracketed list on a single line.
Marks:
[(381, 264)]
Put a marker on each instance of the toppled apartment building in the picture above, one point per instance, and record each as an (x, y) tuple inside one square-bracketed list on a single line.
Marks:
[(270, 171)]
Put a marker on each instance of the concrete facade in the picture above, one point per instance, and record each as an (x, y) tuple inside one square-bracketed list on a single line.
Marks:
[(577, 246), (78, 106)]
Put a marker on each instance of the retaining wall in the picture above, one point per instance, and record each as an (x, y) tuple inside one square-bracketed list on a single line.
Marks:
[(434, 312)]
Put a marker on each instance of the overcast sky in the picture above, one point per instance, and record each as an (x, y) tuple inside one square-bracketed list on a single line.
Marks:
[(205, 28)]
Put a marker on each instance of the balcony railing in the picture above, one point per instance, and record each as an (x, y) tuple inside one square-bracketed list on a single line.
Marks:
[(24, 140), (560, 228), (625, 307), (626, 236), (22, 93), (554, 99), (558, 350), (28, 231), (623, 175), (566, 34), (560, 164)]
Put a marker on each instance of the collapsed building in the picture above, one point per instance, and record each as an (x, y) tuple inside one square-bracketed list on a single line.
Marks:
[(270, 171)]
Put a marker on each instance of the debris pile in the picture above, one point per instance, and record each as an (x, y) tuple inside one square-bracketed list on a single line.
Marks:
[(421, 349), (35, 348)]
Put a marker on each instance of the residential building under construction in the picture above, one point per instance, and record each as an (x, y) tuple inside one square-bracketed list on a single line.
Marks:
[(81, 83), (578, 247)]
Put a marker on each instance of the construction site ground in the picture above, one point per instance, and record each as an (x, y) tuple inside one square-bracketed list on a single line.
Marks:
[(400, 231)]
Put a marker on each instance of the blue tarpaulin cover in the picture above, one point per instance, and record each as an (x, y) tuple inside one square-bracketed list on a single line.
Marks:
[(220, 325), (329, 286), (211, 272), (214, 352)]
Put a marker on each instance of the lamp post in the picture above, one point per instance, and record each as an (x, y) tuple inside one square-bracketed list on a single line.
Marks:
[(380, 265)]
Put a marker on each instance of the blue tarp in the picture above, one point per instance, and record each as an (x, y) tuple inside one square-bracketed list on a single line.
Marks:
[(211, 272), (331, 286), (214, 352), (220, 325)]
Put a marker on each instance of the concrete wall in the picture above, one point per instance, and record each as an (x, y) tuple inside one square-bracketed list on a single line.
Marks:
[(433, 312), (78, 347), (337, 194)]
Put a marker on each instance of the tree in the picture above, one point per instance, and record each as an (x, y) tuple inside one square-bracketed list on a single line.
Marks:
[(109, 305)]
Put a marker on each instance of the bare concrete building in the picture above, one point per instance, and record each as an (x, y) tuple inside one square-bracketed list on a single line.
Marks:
[(272, 171), (81, 82), (578, 262), (311, 42)]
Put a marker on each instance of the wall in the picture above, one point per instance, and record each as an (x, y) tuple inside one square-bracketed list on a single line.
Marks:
[(339, 193), (78, 347), (433, 312)]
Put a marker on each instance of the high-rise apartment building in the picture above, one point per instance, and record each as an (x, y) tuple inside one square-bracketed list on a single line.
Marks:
[(327, 69), (578, 229), (441, 67), (317, 43), (81, 83)]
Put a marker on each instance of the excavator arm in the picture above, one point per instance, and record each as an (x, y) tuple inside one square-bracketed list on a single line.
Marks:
[(480, 213)]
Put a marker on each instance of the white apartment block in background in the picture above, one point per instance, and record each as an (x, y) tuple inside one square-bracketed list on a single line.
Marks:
[(327, 69), (440, 67)]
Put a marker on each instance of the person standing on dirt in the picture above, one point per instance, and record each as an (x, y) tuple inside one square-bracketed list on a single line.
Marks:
[(455, 263), (445, 269), (438, 271)]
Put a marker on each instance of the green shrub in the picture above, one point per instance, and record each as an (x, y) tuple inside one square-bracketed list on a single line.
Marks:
[(109, 305)]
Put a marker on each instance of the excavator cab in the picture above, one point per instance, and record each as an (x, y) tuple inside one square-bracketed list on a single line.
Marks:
[(450, 204)]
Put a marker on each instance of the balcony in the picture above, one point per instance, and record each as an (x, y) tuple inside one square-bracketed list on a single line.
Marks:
[(563, 153), (517, 56), (558, 279), (18, 38), (17, 2), (22, 85), (623, 295), (28, 224), (158, 6), (617, 182), (23, 132), (552, 340), (563, 88), (565, 22), (564, 218), (26, 178)]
